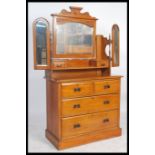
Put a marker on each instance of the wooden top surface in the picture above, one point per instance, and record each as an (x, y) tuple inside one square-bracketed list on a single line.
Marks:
[(77, 68), (84, 79)]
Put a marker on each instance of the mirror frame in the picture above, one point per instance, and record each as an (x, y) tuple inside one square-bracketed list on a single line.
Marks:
[(38, 66), (114, 27)]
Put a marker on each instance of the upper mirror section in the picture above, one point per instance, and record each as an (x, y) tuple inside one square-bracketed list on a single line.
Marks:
[(74, 34), (115, 45), (74, 38), (41, 42)]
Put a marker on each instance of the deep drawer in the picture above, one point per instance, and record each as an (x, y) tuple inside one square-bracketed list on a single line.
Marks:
[(72, 126), (71, 107)]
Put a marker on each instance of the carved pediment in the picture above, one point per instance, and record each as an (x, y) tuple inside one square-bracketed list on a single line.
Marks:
[(75, 12)]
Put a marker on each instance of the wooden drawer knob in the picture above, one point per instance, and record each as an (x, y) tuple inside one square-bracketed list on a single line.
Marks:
[(76, 106), (106, 120), (106, 102), (77, 125), (106, 86), (103, 64), (77, 89)]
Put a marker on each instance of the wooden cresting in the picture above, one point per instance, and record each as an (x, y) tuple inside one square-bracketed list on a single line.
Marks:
[(75, 13)]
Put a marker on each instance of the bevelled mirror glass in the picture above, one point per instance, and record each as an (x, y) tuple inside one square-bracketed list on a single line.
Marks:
[(41, 27), (41, 43), (115, 45), (74, 38)]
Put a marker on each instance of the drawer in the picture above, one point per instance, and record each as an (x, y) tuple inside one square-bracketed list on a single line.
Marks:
[(77, 63), (98, 63), (86, 105), (58, 64), (72, 126), (107, 86), (70, 90)]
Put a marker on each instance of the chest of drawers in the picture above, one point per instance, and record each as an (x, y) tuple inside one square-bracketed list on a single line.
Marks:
[(82, 110)]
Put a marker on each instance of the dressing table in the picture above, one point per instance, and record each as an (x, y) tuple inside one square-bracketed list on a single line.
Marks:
[(82, 97)]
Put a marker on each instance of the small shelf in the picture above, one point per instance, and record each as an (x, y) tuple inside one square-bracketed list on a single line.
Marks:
[(77, 68), (83, 79)]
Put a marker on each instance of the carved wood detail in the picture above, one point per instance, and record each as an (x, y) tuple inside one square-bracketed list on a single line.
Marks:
[(75, 12)]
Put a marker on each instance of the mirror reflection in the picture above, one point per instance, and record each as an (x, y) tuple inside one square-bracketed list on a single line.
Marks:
[(41, 42), (115, 45), (74, 38)]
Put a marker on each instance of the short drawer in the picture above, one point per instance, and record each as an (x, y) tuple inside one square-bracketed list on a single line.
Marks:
[(72, 126), (58, 64), (70, 90), (107, 86), (72, 107)]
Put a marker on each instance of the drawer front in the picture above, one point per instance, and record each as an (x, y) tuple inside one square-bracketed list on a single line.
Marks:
[(86, 105), (58, 64), (107, 86), (77, 63), (70, 90), (72, 126)]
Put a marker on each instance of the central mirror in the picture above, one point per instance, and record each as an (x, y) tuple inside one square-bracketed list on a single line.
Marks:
[(74, 38)]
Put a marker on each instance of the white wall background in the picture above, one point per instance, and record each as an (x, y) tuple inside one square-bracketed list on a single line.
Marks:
[(141, 58), (107, 14)]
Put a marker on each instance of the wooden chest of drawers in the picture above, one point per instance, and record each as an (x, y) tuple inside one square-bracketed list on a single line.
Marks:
[(80, 111)]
